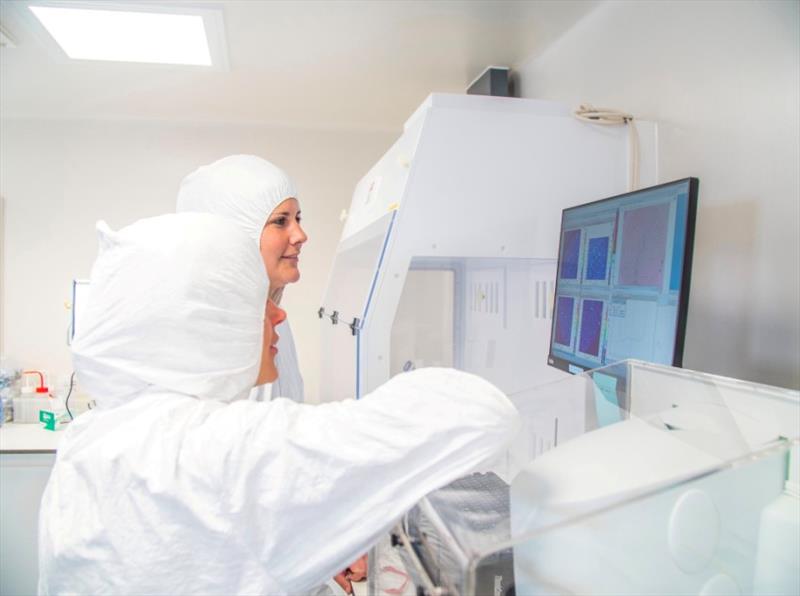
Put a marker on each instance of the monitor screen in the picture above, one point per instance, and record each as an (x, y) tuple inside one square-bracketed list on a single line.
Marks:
[(622, 285)]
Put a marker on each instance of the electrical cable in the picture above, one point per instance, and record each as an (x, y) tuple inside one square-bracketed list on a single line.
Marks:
[(609, 117), (66, 401)]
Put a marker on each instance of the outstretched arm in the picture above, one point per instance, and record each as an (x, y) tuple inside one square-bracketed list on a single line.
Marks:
[(322, 483)]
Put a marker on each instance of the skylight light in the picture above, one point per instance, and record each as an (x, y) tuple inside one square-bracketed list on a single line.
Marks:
[(127, 36)]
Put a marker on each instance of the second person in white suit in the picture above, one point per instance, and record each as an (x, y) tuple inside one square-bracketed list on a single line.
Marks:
[(261, 200)]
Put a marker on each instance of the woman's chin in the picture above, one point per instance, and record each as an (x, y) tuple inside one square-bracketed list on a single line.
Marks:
[(285, 278), (269, 377)]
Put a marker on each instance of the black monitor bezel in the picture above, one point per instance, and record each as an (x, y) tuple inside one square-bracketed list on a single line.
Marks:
[(686, 274)]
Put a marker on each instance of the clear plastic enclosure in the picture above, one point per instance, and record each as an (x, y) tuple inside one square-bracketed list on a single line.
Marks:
[(481, 315), (487, 316), (353, 277), (631, 479)]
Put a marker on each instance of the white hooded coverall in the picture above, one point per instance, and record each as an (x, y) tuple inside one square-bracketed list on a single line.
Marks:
[(246, 189), (177, 484)]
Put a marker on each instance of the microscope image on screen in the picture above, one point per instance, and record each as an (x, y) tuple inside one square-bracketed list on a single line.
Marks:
[(623, 278)]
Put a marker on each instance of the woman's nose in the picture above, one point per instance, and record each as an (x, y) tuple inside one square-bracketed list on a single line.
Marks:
[(277, 316), (275, 313), (298, 235)]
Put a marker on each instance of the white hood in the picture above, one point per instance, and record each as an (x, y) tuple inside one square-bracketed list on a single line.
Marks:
[(246, 189), (176, 303), (243, 188)]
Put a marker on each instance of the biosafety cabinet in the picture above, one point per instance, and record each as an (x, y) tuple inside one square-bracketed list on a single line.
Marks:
[(631, 479), (448, 253)]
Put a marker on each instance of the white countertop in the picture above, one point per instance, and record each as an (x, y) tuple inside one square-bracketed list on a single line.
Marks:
[(28, 438)]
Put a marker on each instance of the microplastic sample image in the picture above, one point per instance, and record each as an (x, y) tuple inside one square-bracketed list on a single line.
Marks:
[(644, 241), (564, 310), (591, 322), (597, 258), (569, 254)]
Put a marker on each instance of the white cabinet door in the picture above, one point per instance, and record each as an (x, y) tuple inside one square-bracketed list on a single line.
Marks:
[(23, 477)]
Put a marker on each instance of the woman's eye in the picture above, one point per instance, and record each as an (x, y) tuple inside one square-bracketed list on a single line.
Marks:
[(281, 221)]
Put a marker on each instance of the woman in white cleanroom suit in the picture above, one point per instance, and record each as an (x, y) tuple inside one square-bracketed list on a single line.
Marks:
[(176, 483), (262, 200)]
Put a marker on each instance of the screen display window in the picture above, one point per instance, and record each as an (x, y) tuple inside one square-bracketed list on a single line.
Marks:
[(622, 284)]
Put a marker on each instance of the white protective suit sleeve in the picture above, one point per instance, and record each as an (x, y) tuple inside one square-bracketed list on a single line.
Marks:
[(169, 494), (326, 481)]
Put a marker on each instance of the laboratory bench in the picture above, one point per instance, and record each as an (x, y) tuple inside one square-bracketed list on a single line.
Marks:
[(28, 439)]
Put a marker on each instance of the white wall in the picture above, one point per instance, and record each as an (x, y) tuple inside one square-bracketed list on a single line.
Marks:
[(722, 79), (59, 177)]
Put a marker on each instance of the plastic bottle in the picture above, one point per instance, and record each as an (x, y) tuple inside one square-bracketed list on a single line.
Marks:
[(778, 556)]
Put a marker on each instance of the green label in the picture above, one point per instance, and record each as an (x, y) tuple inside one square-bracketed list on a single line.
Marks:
[(48, 418)]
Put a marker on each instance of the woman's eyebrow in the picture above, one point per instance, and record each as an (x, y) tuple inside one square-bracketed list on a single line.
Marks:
[(280, 213)]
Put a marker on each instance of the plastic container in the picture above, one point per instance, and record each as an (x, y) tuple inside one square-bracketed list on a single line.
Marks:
[(6, 410), (27, 407), (779, 538), (9, 388)]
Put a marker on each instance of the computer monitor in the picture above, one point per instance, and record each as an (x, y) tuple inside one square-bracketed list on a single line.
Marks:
[(80, 292), (622, 286)]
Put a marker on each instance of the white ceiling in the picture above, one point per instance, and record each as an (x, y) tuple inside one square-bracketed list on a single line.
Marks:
[(334, 63)]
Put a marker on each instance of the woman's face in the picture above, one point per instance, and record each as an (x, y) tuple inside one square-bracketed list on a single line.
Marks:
[(281, 240), (272, 318)]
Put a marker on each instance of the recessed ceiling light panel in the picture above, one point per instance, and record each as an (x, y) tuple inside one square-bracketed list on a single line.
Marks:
[(118, 32)]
